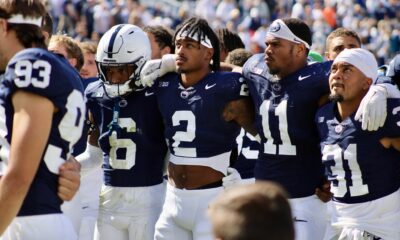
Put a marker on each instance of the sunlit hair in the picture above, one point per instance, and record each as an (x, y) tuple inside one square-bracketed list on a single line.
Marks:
[(228, 40), (340, 32), (28, 34), (71, 46)]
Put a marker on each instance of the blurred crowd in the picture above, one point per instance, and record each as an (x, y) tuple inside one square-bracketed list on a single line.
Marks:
[(376, 21)]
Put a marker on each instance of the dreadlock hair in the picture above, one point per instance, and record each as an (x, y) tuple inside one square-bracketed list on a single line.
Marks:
[(228, 40), (28, 34), (300, 29), (47, 24), (200, 27)]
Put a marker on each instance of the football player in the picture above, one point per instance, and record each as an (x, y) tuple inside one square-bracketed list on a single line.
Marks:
[(361, 165), (201, 108), (42, 106), (130, 138), (287, 92)]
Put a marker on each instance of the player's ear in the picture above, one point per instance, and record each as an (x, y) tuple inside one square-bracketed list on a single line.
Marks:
[(367, 83), (209, 53), (73, 61), (301, 49), (166, 50), (327, 56), (3, 25)]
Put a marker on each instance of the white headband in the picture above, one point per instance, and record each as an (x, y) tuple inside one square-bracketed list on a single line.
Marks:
[(280, 30), (19, 19), (360, 58), (204, 41)]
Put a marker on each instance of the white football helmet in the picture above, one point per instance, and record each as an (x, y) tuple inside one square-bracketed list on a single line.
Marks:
[(122, 45)]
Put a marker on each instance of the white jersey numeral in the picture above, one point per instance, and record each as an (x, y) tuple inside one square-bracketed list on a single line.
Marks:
[(24, 69), (70, 128), (246, 151), (184, 136), (130, 157), (286, 147), (356, 186)]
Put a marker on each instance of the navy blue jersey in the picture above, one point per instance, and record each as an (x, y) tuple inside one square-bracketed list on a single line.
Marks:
[(360, 168), (248, 149), (87, 81), (80, 146), (40, 72), (285, 111), (194, 126), (133, 144)]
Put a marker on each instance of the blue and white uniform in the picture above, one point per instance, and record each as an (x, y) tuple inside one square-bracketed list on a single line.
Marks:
[(197, 134), (289, 153), (194, 126), (134, 149), (42, 73), (247, 154), (364, 175)]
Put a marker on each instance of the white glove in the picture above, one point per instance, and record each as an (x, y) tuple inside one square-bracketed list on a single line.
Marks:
[(372, 110), (156, 68), (232, 179)]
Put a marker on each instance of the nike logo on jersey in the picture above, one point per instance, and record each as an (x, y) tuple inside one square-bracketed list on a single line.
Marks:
[(148, 93), (301, 78), (210, 86)]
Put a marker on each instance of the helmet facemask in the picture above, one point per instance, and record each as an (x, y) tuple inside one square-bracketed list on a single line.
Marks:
[(120, 89)]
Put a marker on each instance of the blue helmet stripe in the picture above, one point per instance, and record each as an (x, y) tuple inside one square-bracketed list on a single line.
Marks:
[(112, 40)]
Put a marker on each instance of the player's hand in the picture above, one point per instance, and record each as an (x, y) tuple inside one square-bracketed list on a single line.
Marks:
[(232, 179), (372, 110), (69, 179), (156, 68), (323, 192)]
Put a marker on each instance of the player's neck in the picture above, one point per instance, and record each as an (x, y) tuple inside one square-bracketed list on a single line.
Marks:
[(296, 67), (191, 78), (345, 109)]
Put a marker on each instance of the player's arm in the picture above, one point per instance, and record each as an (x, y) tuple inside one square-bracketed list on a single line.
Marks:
[(391, 142), (323, 191), (372, 110), (156, 68), (230, 67), (242, 112), (31, 128), (92, 157)]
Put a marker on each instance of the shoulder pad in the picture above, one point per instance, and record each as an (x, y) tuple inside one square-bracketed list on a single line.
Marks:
[(255, 65)]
